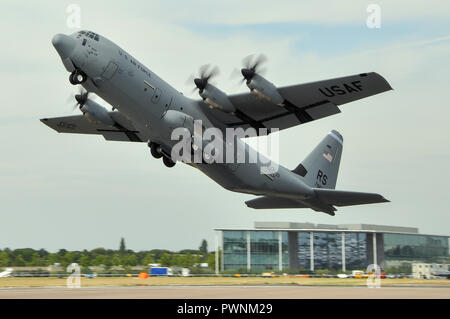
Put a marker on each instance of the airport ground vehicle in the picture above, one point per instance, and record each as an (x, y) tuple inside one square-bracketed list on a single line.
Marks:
[(160, 271)]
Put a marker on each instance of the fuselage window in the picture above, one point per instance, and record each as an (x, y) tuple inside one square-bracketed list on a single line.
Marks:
[(84, 42)]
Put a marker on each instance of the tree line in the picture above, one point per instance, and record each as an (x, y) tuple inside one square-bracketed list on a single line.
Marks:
[(107, 257)]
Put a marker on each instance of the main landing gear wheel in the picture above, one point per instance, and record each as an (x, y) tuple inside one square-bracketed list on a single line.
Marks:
[(155, 150), (77, 77), (168, 162)]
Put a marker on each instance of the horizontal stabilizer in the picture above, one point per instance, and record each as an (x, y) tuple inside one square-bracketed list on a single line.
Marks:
[(266, 202), (346, 198)]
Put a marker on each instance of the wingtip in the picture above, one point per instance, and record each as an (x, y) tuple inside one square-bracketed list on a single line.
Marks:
[(389, 86), (249, 204), (385, 200)]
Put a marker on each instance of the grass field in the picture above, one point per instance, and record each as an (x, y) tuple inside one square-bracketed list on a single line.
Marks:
[(205, 281)]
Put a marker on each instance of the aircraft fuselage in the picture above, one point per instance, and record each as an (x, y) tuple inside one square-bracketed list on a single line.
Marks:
[(144, 98)]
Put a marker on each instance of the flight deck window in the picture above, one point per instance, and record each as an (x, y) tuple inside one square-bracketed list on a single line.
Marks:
[(96, 37), (84, 42)]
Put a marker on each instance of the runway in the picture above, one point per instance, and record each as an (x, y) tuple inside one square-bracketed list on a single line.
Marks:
[(227, 292)]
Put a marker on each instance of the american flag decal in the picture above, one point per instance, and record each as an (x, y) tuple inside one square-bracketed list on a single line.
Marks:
[(328, 156)]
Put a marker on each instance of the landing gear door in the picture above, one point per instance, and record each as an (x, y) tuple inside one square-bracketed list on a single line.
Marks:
[(110, 70)]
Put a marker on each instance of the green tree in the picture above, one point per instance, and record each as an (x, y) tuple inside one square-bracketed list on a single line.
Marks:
[(122, 247), (4, 259), (157, 253), (212, 260), (19, 261), (85, 261), (26, 254), (62, 252), (36, 260), (99, 260), (177, 260), (116, 260), (107, 261), (165, 260), (132, 260), (203, 247), (148, 259), (68, 258), (43, 253), (53, 258), (188, 261)]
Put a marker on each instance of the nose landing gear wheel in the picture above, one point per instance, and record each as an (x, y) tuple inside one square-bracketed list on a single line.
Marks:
[(155, 150), (77, 77), (168, 162)]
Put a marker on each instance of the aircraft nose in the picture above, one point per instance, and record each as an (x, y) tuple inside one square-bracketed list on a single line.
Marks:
[(64, 45)]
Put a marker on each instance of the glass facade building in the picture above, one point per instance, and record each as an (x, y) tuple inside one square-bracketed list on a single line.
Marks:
[(401, 248), (329, 247)]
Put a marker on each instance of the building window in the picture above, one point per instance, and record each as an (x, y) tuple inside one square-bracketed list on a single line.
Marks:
[(264, 250), (327, 251), (234, 250), (304, 250), (355, 251), (401, 248)]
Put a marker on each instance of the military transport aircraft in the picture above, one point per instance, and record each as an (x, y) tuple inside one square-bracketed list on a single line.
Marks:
[(147, 109)]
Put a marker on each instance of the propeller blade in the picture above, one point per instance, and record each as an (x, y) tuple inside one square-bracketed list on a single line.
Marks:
[(236, 74), (252, 62), (81, 98), (259, 60), (190, 79), (206, 73)]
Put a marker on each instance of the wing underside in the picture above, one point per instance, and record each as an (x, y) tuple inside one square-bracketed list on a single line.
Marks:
[(123, 130)]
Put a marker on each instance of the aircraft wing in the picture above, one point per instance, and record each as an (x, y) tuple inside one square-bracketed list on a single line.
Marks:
[(123, 130), (306, 102)]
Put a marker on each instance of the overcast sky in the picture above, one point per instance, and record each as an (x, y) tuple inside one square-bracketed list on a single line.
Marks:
[(76, 192)]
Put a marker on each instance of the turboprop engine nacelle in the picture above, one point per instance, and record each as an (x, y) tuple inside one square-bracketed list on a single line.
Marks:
[(265, 89), (96, 113), (215, 98), (176, 119)]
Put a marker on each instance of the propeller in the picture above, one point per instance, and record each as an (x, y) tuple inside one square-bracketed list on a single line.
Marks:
[(251, 66), (206, 72), (81, 98)]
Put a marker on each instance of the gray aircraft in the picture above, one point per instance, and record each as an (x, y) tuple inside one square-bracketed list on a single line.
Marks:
[(147, 109)]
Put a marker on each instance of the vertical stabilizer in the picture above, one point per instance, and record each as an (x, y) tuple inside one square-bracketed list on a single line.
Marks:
[(320, 168)]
